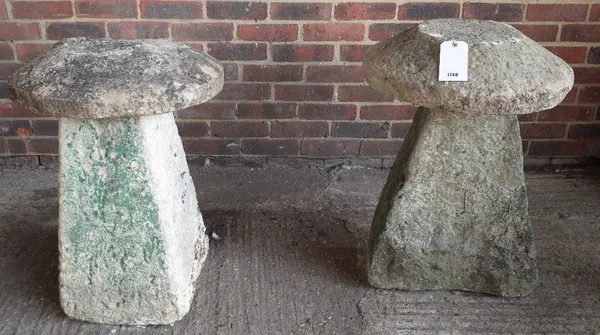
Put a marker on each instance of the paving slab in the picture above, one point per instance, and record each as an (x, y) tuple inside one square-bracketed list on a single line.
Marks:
[(290, 259)]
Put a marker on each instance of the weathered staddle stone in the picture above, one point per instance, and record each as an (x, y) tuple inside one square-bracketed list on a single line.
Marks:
[(99, 78), (453, 213), (131, 236)]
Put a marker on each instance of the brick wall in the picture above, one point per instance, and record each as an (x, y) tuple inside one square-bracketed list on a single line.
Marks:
[(294, 85)]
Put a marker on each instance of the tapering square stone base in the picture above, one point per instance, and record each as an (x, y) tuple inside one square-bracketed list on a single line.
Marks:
[(453, 213), (131, 236)]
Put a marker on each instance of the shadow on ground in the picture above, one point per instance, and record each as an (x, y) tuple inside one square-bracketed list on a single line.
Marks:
[(291, 260)]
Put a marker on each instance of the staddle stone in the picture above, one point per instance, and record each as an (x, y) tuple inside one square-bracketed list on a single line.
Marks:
[(84, 78), (509, 73), (131, 236), (453, 213)]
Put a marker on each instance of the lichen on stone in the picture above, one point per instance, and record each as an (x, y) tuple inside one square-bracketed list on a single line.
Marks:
[(102, 78)]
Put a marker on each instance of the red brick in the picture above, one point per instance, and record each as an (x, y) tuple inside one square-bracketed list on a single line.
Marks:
[(26, 51), (58, 31), (231, 71), (568, 113), (197, 46), (268, 32), (593, 56), (106, 8), (571, 96), (235, 129), (327, 112), (238, 51), (138, 30), (43, 145), (360, 94), (274, 147), (209, 110), (300, 129), (387, 112), (303, 92), (302, 53), (3, 12), (19, 31), (45, 127), (542, 130), (509, 12), (570, 55), (330, 147), (590, 95), (539, 33), (192, 128), (6, 69), (266, 110), (9, 109), (595, 13), (6, 52), (360, 129), (580, 33), (182, 10), (382, 31), (428, 11), (271, 73), (365, 11), (41, 10), (210, 146), (214, 31), (230, 10), (244, 91), (15, 128), (334, 32), (380, 148), (301, 11), (590, 131), (16, 145), (556, 12), (352, 53), (334, 74), (399, 130), (557, 148), (587, 75)]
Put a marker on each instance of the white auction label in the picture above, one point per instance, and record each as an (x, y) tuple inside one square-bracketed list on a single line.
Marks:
[(454, 61)]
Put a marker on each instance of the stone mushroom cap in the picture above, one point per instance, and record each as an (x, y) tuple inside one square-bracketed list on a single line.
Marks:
[(508, 72), (101, 78)]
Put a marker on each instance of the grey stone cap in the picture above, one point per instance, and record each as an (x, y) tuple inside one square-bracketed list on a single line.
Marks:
[(101, 78), (508, 72)]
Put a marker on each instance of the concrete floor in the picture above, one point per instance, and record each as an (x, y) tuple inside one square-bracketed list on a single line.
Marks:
[(290, 260)]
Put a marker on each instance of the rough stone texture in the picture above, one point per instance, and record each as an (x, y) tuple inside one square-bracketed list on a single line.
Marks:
[(131, 237), (290, 260), (453, 213), (508, 72), (101, 78)]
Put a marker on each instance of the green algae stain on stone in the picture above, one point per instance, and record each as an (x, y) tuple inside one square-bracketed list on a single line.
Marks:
[(110, 219)]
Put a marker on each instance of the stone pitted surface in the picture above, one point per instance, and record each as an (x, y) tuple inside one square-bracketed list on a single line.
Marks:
[(453, 213), (131, 237), (101, 78), (508, 72)]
